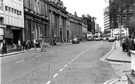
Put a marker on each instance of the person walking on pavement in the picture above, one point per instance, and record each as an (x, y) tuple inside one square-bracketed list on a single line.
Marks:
[(126, 44), (34, 43), (28, 45), (4, 47), (19, 45), (123, 44), (23, 45), (134, 43), (42, 45), (130, 45)]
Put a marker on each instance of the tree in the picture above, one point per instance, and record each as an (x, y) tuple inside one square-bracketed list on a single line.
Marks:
[(131, 26), (117, 8)]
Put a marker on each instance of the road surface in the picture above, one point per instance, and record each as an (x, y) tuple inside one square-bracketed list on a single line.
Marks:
[(67, 64)]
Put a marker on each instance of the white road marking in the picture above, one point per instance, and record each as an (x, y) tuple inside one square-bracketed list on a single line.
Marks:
[(38, 55), (106, 55), (65, 65), (69, 62), (110, 81), (75, 58), (51, 52), (72, 60), (48, 82), (61, 69), (19, 61), (106, 44), (55, 75)]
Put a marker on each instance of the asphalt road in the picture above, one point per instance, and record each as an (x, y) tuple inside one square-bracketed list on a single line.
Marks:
[(67, 64)]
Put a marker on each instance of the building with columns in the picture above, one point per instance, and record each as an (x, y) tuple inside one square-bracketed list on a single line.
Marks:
[(58, 21), (75, 26), (36, 19)]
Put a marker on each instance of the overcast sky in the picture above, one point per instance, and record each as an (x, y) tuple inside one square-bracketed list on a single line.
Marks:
[(91, 7)]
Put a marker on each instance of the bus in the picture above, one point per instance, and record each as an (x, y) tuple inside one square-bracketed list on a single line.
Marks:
[(89, 36)]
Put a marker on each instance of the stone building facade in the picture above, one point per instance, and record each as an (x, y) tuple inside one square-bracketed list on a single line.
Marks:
[(36, 19), (58, 21), (75, 26)]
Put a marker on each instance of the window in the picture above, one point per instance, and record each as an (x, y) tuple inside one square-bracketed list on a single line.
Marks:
[(12, 10), (9, 30), (1, 4), (6, 8), (20, 12), (15, 11)]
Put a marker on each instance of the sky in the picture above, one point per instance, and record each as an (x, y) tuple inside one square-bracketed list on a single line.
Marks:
[(91, 7)]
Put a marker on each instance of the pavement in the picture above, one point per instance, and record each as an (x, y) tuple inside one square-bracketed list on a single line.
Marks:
[(32, 49), (120, 57)]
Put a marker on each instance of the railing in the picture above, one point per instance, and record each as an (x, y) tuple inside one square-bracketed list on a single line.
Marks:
[(133, 62), (131, 77)]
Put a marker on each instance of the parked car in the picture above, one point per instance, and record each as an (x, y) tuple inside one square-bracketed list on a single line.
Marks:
[(97, 39), (75, 40), (111, 39), (104, 38)]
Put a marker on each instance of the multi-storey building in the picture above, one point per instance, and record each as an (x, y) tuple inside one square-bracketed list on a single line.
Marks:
[(2, 27), (58, 20), (106, 18), (36, 19), (90, 22), (13, 20), (97, 28)]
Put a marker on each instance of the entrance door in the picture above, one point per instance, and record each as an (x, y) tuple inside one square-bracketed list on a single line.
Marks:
[(17, 35), (67, 36), (61, 35)]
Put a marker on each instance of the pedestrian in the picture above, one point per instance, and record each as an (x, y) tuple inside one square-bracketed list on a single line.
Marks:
[(23, 45), (126, 44), (4, 47), (19, 45), (123, 44), (28, 45), (34, 44), (42, 45), (130, 43), (134, 43)]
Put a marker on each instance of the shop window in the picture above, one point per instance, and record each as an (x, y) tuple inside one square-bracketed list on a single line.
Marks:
[(1, 21), (8, 30)]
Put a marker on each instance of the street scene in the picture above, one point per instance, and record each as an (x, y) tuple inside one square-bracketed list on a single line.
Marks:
[(55, 42)]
